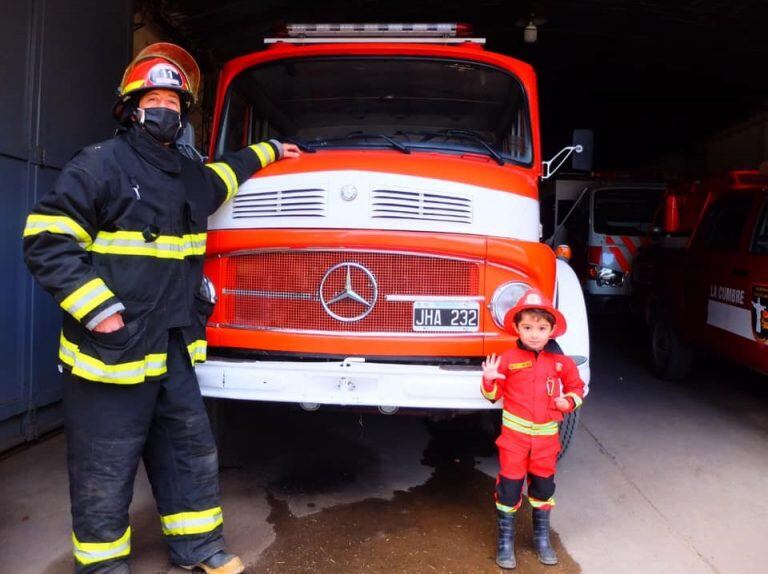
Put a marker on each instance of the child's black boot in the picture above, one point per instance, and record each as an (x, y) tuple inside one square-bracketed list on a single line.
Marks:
[(505, 548), (541, 541)]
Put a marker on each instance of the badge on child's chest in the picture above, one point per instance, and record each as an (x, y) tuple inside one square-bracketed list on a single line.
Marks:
[(518, 366)]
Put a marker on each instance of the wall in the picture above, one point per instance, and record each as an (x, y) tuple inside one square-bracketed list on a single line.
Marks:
[(62, 60)]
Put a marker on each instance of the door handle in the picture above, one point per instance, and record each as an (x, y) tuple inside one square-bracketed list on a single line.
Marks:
[(741, 272)]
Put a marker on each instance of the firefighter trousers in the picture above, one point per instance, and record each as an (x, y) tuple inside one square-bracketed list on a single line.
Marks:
[(109, 428)]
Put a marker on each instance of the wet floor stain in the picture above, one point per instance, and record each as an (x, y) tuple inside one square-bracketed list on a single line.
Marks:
[(446, 525)]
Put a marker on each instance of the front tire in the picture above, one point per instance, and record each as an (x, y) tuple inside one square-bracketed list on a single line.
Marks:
[(671, 358), (568, 430)]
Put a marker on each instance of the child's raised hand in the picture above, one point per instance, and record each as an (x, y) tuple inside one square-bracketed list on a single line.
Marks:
[(562, 404), (491, 368)]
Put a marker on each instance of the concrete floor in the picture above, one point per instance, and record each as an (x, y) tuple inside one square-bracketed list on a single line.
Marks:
[(662, 477)]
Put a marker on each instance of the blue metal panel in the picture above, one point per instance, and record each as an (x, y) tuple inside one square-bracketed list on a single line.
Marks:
[(12, 314), (43, 373), (84, 52), (61, 61), (15, 52)]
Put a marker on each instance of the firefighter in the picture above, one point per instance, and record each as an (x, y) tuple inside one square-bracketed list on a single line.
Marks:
[(119, 243), (537, 384)]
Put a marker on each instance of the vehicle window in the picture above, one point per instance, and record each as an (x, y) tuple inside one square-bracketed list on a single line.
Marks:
[(236, 118), (760, 239), (430, 104), (563, 207), (625, 211), (725, 222), (578, 223)]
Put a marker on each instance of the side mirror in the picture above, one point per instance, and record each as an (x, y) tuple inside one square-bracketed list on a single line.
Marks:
[(586, 139)]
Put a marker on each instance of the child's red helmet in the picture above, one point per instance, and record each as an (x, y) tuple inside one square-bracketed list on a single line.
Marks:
[(160, 66), (533, 299)]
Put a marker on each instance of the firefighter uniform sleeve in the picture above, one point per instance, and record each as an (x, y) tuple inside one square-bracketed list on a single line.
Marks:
[(573, 386), (236, 167), (58, 233), (494, 390)]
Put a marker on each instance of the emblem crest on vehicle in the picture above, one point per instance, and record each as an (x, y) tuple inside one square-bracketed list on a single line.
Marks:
[(348, 292), (760, 313)]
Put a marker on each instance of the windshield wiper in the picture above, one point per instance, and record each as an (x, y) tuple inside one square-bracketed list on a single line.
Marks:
[(479, 139), (465, 134), (393, 142)]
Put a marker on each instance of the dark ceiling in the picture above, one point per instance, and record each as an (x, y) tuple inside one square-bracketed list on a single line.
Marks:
[(652, 78)]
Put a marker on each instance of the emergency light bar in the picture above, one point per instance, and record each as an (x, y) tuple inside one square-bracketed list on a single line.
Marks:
[(378, 30), (408, 33)]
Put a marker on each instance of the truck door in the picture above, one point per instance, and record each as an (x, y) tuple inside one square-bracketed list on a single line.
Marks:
[(755, 354), (718, 295)]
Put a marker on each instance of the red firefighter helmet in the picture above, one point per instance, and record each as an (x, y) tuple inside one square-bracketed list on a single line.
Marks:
[(533, 299), (159, 66)]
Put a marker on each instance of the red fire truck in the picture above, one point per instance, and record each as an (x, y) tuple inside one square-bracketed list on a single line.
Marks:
[(704, 284), (377, 268)]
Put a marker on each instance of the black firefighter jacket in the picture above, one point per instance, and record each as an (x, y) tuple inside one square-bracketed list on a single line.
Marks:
[(124, 229)]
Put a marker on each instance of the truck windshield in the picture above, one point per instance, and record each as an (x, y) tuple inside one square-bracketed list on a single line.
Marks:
[(378, 103), (624, 211)]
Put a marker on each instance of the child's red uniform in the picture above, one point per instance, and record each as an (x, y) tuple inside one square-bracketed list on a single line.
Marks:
[(529, 441)]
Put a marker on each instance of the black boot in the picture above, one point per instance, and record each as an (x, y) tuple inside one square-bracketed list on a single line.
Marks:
[(541, 541), (505, 549)]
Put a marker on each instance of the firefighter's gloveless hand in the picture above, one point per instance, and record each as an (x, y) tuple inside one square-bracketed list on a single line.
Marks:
[(110, 324), (290, 150), (491, 368)]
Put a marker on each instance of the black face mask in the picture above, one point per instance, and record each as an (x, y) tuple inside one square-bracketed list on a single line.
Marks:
[(162, 124)]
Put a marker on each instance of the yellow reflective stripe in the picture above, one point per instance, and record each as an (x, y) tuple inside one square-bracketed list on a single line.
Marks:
[(577, 400), (86, 298), (185, 523), (536, 503), (197, 351), (507, 509), (92, 369), (163, 247), (259, 151), (133, 86), (226, 175), (523, 365), (525, 426), (490, 395), (270, 151), (267, 151), (91, 552), (60, 224)]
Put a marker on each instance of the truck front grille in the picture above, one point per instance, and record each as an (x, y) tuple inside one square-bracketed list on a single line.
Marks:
[(280, 290)]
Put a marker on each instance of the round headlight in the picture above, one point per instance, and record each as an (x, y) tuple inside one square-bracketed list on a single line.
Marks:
[(504, 298)]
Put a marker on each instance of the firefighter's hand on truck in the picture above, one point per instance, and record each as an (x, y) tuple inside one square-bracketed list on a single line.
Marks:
[(290, 150), (491, 368), (562, 404), (110, 324)]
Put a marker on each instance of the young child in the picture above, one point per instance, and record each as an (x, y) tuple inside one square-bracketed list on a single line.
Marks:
[(537, 384)]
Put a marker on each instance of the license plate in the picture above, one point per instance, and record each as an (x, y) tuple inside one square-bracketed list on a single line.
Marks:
[(446, 316)]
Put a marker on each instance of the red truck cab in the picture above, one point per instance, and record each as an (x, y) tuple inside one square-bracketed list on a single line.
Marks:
[(709, 290)]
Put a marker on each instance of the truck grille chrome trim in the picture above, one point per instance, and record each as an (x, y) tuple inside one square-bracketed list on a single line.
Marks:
[(278, 289)]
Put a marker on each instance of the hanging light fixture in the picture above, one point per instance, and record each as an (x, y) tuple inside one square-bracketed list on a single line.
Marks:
[(530, 32)]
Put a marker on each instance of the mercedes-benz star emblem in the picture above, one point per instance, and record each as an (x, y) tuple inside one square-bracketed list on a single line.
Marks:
[(350, 275)]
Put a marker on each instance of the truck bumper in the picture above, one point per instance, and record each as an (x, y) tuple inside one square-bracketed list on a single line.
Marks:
[(348, 382)]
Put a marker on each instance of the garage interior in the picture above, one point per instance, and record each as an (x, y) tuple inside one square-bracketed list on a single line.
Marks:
[(663, 476)]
